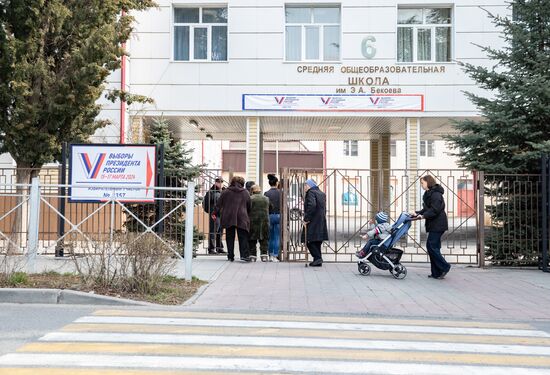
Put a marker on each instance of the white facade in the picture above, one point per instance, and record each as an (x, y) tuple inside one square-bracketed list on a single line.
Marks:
[(261, 57), (259, 60), (256, 58)]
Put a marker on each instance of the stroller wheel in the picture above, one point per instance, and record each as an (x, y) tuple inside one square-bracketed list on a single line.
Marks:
[(364, 269), (399, 272)]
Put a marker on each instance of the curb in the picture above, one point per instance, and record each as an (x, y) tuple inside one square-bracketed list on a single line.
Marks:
[(63, 297), (191, 301)]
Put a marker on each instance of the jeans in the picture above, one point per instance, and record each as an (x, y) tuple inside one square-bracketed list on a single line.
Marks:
[(437, 261), (314, 248), (214, 234), (274, 234), (369, 244), (243, 242)]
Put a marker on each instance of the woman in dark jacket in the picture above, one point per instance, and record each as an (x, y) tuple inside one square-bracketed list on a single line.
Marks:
[(433, 211), (233, 207), (315, 221)]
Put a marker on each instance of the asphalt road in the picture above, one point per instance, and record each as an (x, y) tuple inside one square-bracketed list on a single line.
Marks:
[(20, 324), (99, 341)]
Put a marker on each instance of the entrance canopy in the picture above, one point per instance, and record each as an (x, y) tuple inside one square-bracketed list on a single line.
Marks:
[(304, 128)]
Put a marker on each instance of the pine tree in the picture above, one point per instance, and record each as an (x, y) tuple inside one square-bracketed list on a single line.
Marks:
[(178, 165), (178, 169), (55, 56), (515, 130)]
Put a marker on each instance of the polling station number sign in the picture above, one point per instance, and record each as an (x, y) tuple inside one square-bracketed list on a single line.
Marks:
[(99, 173)]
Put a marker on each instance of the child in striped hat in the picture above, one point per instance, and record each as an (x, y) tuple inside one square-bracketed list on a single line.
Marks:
[(378, 230)]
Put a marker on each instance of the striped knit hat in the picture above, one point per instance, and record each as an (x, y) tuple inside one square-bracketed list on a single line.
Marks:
[(382, 217)]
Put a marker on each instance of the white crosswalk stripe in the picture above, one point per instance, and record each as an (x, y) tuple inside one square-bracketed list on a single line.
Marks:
[(132, 342)]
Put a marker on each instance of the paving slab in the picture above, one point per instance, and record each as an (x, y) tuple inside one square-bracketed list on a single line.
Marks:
[(466, 293)]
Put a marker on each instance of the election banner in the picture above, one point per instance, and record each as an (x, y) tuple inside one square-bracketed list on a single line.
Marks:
[(333, 103), (98, 173)]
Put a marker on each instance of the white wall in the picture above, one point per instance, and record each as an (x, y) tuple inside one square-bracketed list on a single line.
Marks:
[(256, 57), (441, 160), (208, 152), (337, 160)]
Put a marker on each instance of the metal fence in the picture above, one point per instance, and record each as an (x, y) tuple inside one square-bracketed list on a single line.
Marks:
[(511, 232), (493, 218), (40, 219), (56, 202), (355, 195)]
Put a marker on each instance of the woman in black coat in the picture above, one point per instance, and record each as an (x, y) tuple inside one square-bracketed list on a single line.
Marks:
[(315, 221), (433, 211)]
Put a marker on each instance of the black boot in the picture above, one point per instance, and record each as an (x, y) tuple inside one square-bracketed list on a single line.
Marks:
[(316, 263)]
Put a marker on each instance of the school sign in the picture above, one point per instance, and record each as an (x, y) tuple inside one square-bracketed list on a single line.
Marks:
[(101, 172)]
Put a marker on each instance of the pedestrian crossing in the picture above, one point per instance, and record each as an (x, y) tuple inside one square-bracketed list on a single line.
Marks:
[(137, 342)]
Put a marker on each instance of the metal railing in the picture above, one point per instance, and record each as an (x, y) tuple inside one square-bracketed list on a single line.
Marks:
[(51, 224), (355, 195), (510, 232), (35, 209), (493, 218)]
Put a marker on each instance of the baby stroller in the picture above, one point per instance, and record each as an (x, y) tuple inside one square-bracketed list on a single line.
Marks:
[(384, 256)]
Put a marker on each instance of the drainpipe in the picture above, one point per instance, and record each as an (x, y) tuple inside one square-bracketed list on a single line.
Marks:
[(123, 88)]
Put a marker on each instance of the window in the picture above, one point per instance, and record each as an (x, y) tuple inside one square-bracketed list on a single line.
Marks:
[(424, 35), (200, 34), (427, 148), (351, 148), (312, 33), (393, 148)]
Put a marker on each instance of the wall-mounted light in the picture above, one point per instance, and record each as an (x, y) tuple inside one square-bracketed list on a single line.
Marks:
[(209, 136), (194, 123)]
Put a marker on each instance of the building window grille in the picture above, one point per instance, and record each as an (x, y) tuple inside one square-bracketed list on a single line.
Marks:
[(351, 148), (200, 34), (424, 35), (312, 33), (427, 148), (393, 148)]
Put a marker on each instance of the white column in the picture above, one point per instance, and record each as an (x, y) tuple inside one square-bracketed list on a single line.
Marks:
[(136, 134), (380, 172), (385, 168), (412, 153), (254, 150), (374, 176)]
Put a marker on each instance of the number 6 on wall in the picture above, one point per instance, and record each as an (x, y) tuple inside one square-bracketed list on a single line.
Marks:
[(367, 47)]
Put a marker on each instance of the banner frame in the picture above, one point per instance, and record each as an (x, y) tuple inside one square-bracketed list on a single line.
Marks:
[(421, 96), (118, 145)]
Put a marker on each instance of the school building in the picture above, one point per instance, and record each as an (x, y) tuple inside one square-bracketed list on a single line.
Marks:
[(365, 75), (370, 85)]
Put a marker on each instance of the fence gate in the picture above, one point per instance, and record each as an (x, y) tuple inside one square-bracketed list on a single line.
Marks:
[(355, 195)]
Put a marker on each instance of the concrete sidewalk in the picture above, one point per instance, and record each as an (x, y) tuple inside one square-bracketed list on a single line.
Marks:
[(466, 293)]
